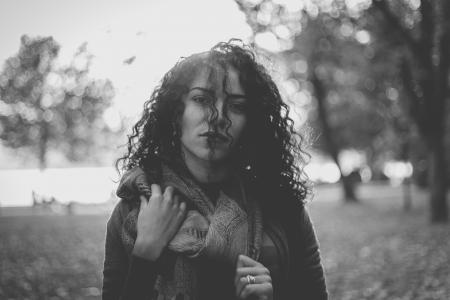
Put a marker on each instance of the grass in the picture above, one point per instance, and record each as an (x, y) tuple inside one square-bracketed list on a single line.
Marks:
[(51, 257), (375, 250), (371, 250)]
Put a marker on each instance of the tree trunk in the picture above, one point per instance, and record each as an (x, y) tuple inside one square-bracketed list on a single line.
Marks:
[(438, 182), (406, 182), (42, 151), (349, 189), (429, 109), (407, 198), (333, 150), (436, 137)]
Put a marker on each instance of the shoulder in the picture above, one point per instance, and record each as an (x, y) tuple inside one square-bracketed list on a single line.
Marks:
[(302, 220), (119, 213), (303, 216), (299, 227)]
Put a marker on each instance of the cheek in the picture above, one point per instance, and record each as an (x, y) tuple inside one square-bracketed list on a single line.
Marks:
[(191, 120), (239, 124)]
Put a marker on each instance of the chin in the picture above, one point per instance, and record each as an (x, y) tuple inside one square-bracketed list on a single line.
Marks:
[(204, 153), (218, 156)]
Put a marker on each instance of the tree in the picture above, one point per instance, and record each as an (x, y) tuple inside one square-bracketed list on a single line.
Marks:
[(409, 66), (49, 107), (325, 58), (423, 27)]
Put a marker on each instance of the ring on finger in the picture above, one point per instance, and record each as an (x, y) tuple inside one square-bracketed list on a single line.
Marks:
[(250, 279)]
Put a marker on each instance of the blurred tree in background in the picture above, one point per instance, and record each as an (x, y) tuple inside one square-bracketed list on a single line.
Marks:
[(45, 106), (333, 67), (345, 114), (423, 30), (373, 68)]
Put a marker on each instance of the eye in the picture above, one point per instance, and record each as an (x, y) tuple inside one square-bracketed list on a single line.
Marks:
[(237, 106), (202, 99)]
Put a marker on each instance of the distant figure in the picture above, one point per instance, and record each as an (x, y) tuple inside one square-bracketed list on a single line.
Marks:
[(70, 208), (34, 196), (212, 200)]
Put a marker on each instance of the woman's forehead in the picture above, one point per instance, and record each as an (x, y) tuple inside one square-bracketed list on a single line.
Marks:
[(218, 79)]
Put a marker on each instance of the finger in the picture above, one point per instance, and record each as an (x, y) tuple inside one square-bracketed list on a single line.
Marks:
[(239, 287), (244, 271), (259, 279), (156, 190), (257, 290), (176, 200), (242, 282), (143, 202), (247, 290), (168, 195), (239, 284), (142, 184), (240, 262), (245, 261), (181, 213), (182, 208)]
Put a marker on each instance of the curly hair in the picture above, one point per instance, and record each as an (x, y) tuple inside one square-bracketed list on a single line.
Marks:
[(271, 157)]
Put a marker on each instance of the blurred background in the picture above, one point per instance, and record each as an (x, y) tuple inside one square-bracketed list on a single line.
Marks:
[(366, 81)]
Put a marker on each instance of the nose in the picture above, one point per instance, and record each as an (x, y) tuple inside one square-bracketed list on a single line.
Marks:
[(220, 120)]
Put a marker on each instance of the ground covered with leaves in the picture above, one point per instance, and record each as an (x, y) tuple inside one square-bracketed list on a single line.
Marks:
[(375, 250), (370, 250)]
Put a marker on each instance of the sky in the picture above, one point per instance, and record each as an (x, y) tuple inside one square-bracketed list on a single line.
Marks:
[(156, 32)]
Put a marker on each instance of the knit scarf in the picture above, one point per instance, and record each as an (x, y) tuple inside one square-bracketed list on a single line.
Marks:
[(220, 232)]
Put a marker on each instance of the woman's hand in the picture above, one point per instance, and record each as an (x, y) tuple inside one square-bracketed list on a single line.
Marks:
[(158, 221), (261, 288)]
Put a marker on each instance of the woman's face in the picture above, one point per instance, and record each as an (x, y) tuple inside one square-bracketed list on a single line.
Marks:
[(206, 139)]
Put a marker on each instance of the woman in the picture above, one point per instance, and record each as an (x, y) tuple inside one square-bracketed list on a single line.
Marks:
[(212, 203)]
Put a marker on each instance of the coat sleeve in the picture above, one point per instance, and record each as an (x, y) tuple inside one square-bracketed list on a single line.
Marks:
[(308, 274), (140, 280), (116, 261), (125, 277)]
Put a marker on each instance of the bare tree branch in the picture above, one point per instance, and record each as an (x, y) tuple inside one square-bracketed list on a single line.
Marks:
[(426, 36), (415, 102), (414, 45)]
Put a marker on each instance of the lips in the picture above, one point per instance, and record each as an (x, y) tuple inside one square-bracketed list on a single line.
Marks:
[(215, 136)]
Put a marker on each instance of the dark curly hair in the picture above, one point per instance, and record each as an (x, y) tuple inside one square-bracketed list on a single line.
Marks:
[(271, 157)]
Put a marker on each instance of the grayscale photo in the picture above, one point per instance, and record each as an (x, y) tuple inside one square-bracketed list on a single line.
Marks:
[(224, 150)]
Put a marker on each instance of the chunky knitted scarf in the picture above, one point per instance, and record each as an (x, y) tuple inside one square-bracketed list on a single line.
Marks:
[(219, 232)]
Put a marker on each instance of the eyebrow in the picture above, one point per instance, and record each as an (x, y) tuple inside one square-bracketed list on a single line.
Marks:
[(206, 90), (209, 91)]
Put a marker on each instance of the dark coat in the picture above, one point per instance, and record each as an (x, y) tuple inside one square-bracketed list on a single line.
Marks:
[(130, 277)]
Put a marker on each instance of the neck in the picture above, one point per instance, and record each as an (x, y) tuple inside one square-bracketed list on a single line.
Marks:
[(205, 171)]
